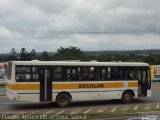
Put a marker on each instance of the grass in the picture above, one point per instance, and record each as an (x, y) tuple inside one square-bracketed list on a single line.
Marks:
[(2, 85)]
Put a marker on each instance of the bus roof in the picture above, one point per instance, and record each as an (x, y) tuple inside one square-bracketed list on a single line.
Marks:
[(73, 63)]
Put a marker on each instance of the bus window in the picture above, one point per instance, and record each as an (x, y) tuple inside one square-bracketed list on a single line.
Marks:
[(20, 77), (79, 74), (85, 73), (27, 74), (129, 73), (132, 75), (144, 76), (92, 73), (34, 74), (139, 75), (23, 69), (68, 74), (23, 74), (105, 73), (48, 74), (115, 73), (98, 73), (74, 74), (35, 77), (57, 75)]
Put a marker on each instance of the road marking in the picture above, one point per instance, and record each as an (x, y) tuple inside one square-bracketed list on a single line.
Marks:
[(148, 107), (59, 112), (157, 106), (75, 111), (88, 110), (136, 107), (115, 108)]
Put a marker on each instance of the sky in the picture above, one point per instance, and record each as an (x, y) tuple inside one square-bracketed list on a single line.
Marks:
[(46, 25)]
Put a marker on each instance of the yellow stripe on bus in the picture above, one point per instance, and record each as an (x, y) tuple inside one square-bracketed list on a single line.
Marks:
[(133, 84), (58, 86), (23, 86), (65, 86)]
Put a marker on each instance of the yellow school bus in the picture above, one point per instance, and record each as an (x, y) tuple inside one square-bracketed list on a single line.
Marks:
[(65, 81)]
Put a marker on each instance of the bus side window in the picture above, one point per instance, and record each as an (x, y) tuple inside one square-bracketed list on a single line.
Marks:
[(79, 73), (129, 73), (68, 74), (85, 73), (19, 77), (74, 74), (139, 76), (27, 76), (105, 73), (132, 75), (92, 73), (57, 74), (114, 73), (98, 73), (144, 76), (23, 74), (34, 74)]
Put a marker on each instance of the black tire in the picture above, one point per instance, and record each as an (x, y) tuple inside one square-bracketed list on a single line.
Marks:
[(127, 97), (63, 100)]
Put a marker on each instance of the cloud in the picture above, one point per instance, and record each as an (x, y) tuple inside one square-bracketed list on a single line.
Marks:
[(101, 24)]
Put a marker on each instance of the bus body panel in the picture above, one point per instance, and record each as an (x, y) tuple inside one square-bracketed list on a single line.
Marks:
[(149, 93), (30, 91), (79, 90)]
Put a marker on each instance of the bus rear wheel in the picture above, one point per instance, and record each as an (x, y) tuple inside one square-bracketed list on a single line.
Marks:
[(127, 97), (63, 100)]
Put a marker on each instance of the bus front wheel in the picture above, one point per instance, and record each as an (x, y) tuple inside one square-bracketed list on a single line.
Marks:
[(63, 100), (127, 97)]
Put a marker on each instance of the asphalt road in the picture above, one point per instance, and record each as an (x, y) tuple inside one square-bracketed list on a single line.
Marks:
[(2, 91), (8, 106)]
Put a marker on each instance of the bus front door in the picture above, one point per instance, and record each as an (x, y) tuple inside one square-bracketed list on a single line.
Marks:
[(142, 82), (45, 84)]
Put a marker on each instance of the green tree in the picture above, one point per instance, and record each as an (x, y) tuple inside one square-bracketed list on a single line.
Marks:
[(70, 53), (33, 54), (104, 58), (13, 54), (23, 54), (153, 59), (45, 56)]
